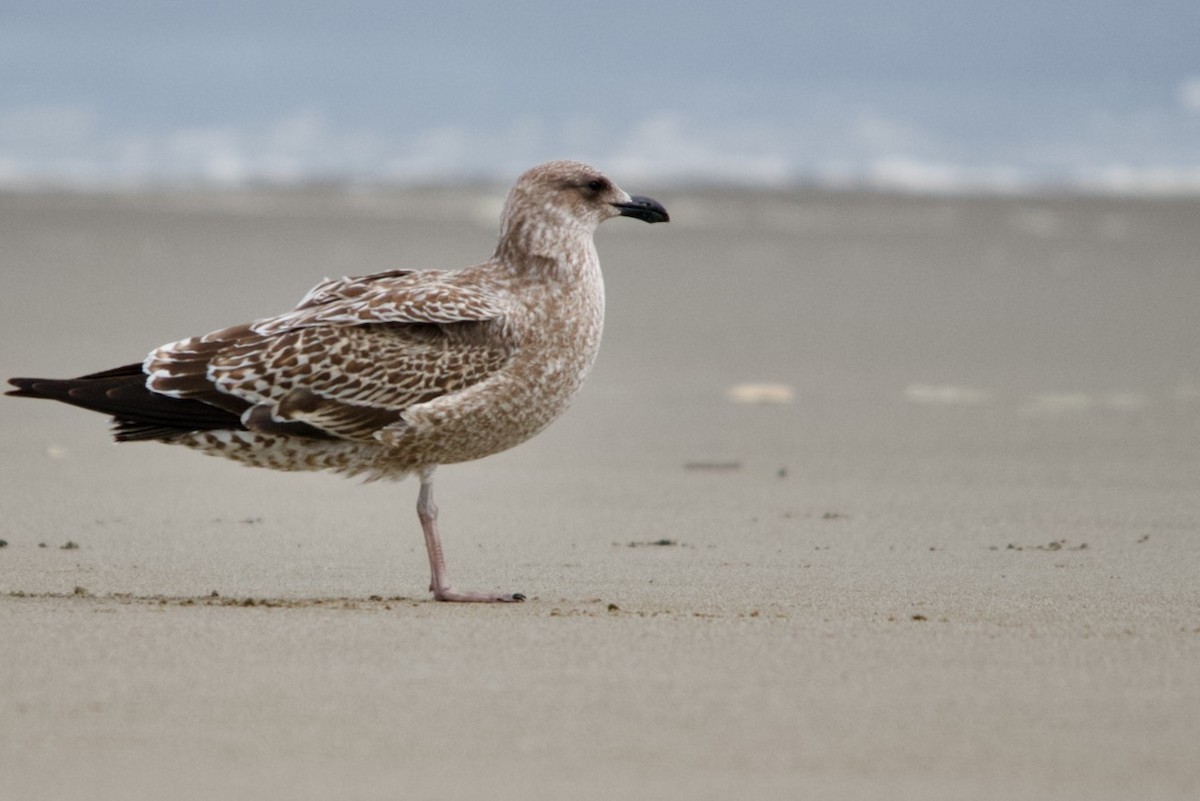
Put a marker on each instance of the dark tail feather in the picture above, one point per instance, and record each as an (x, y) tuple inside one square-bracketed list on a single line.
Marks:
[(138, 413)]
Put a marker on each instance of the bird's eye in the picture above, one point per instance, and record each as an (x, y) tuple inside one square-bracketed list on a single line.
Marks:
[(597, 185)]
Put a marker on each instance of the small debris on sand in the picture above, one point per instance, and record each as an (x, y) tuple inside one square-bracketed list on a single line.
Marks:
[(731, 465), (1055, 545), (760, 393)]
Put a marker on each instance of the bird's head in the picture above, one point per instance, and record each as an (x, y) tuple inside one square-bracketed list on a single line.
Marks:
[(574, 195)]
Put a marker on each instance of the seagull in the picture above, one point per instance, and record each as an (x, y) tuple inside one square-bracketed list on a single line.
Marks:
[(394, 373)]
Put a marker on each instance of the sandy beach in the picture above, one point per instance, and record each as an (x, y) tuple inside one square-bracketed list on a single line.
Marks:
[(868, 497)]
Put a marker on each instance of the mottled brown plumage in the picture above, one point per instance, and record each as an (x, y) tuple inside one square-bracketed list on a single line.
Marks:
[(397, 372)]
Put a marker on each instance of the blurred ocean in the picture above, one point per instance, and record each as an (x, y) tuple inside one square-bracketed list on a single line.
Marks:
[(924, 97)]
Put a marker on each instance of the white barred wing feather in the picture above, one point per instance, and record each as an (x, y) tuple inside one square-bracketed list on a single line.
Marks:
[(350, 382)]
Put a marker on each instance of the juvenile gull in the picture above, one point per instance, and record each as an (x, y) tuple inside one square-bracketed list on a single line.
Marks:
[(393, 373)]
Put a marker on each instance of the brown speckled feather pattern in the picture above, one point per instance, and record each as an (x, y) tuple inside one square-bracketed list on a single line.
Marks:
[(397, 370)]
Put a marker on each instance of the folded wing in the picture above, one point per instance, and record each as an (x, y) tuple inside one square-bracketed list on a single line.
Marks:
[(346, 362)]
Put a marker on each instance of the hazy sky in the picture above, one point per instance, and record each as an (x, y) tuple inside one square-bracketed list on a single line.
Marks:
[(928, 94)]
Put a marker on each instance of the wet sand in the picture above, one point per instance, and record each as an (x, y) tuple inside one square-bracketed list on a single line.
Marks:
[(953, 553)]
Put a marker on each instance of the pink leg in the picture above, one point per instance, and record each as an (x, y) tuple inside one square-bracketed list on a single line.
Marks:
[(427, 512)]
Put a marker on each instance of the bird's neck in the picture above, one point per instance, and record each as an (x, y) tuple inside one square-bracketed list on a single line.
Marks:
[(550, 248)]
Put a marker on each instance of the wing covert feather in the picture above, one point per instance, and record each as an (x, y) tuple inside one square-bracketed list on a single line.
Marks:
[(396, 297)]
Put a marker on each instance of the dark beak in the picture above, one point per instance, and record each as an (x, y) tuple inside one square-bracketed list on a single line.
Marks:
[(644, 208)]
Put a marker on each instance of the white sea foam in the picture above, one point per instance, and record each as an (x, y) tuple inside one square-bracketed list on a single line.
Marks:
[(75, 147)]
